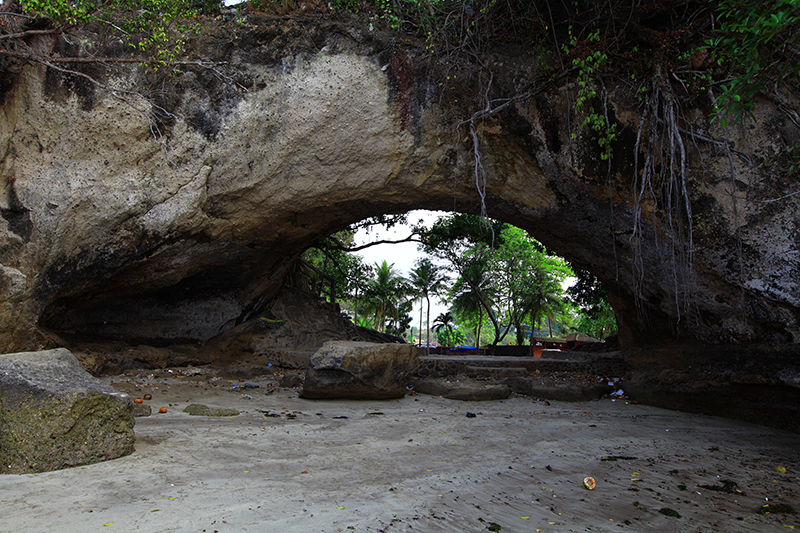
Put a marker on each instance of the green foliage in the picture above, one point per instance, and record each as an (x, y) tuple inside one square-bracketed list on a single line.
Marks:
[(451, 337), (154, 27), (401, 321), (599, 325), (588, 66), (460, 230), (757, 40), (508, 283), (348, 271), (666, 511), (448, 333), (385, 296), (473, 291), (595, 315), (352, 6), (426, 279)]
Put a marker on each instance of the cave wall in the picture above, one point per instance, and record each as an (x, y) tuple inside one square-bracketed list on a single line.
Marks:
[(171, 219)]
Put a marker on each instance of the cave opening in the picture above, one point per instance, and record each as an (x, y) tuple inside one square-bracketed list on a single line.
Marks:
[(475, 282), (175, 298)]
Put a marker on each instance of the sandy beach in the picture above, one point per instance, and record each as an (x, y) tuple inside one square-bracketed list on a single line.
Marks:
[(420, 463)]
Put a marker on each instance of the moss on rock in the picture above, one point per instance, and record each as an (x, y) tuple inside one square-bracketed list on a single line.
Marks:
[(197, 409), (54, 415)]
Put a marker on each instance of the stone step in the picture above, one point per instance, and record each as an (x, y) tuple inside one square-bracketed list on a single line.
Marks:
[(607, 364), (493, 372)]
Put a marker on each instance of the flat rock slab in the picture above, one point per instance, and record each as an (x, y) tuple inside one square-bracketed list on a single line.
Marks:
[(462, 388), (54, 414), (565, 392), (360, 371), (141, 410), (197, 409)]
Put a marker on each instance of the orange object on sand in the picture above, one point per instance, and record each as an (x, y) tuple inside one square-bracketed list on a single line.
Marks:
[(162, 410)]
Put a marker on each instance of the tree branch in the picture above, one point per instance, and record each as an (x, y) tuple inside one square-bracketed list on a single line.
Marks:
[(28, 33), (410, 238)]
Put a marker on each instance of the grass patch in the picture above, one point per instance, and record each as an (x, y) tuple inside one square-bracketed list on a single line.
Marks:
[(728, 486), (784, 508), (666, 511)]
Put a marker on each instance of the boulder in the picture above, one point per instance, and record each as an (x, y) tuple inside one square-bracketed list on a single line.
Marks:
[(54, 414), (463, 388), (359, 371)]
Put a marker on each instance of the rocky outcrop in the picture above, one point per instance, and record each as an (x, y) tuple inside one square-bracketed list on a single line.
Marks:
[(54, 415), (288, 333), (360, 371), (757, 385), (108, 233), (111, 232)]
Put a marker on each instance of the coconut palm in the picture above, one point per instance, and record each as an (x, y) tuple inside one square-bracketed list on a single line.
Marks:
[(384, 293), (426, 279), (473, 291), (444, 321), (544, 302)]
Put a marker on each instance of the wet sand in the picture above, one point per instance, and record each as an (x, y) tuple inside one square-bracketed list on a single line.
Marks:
[(415, 464)]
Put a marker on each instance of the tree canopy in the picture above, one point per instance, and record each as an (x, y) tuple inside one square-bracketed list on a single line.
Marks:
[(501, 273)]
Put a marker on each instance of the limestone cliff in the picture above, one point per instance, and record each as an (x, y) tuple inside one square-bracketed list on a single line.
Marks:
[(172, 218)]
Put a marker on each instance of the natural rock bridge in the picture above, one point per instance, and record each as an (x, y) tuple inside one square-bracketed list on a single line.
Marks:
[(170, 220)]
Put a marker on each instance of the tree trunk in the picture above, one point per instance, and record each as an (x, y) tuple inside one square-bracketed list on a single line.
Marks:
[(480, 326), (420, 322), (355, 311), (534, 320), (428, 324)]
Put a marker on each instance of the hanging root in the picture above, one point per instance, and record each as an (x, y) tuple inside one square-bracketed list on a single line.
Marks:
[(660, 184), (480, 178)]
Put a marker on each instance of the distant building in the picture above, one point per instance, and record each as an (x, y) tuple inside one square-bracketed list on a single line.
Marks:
[(548, 343), (576, 339), (559, 343)]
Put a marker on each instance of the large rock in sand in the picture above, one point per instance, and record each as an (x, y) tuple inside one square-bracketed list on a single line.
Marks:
[(360, 371), (54, 414)]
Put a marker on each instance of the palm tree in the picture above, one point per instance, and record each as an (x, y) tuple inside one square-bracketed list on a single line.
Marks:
[(444, 321), (384, 293), (473, 292), (426, 279), (544, 302)]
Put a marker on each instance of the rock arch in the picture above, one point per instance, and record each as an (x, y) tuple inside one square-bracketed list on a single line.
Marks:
[(106, 232)]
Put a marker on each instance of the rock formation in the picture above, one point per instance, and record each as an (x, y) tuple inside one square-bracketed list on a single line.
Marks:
[(54, 415), (172, 219), (360, 371)]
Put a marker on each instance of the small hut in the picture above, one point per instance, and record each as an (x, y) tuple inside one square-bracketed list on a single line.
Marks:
[(576, 339), (548, 343)]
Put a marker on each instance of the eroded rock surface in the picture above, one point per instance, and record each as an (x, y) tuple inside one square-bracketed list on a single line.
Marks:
[(108, 234), (360, 371), (54, 415), (288, 333)]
